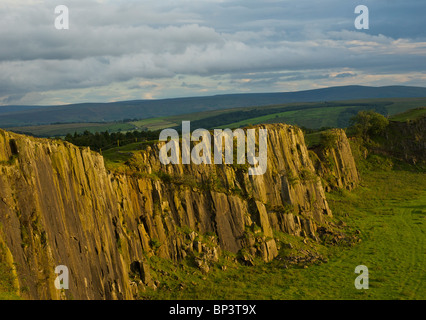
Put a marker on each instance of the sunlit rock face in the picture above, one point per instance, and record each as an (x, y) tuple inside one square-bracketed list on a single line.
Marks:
[(59, 205)]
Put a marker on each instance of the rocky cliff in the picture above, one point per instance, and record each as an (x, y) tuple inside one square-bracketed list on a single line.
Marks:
[(59, 205), (334, 162), (405, 140)]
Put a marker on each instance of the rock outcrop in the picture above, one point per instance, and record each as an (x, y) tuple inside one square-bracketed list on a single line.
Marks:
[(334, 162), (59, 205), (405, 140)]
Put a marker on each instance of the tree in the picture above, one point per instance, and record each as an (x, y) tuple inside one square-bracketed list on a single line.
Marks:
[(68, 137), (368, 123)]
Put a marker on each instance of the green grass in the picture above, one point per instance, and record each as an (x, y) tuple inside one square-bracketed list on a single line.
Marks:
[(314, 118), (262, 119), (389, 209), (154, 123), (313, 139), (404, 104), (409, 115), (7, 282), (317, 118), (310, 115), (173, 121), (115, 158)]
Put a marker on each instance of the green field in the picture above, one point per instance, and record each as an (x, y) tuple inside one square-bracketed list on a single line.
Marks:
[(401, 105), (154, 123), (314, 115), (288, 115), (133, 110), (309, 115), (310, 118), (174, 121), (389, 209), (409, 115)]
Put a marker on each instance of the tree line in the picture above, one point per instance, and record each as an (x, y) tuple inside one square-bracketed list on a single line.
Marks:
[(364, 125), (105, 140)]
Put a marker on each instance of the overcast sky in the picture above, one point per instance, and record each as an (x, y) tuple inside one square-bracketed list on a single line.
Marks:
[(127, 49)]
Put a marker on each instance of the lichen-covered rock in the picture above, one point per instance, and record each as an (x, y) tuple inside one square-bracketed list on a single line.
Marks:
[(335, 163), (60, 209), (60, 206)]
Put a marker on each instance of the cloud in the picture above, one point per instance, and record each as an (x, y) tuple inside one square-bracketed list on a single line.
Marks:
[(344, 75), (191, 85), (129, 44)]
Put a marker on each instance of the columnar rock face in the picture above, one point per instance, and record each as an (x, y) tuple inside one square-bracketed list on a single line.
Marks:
[(335, 163), (406, 140), (57, 207), (60, 206)]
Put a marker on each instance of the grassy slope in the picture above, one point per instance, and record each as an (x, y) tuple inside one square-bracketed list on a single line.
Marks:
[(316, 118), (154, 123), (310, 118), (409, 115), (141, 109), (389, 208), (116, 157)]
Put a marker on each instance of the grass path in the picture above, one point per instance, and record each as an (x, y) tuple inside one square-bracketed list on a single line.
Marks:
[(393, 249), (390, 211)]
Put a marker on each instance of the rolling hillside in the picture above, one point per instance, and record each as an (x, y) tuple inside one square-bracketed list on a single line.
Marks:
[(144, 109)]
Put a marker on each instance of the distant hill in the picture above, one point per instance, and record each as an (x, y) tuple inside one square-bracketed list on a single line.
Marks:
[(143, 109), (13, 109)]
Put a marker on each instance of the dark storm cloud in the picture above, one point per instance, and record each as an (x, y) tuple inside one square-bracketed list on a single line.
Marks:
[(345, 75)]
